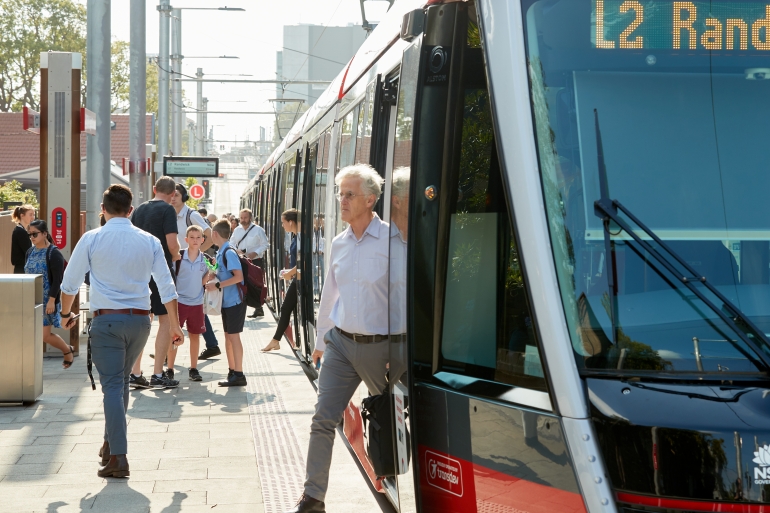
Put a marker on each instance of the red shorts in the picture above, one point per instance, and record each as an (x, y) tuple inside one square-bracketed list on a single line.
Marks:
[(193, 316)]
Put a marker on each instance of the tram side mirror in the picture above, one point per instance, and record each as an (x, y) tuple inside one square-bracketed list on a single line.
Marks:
[(413, 24)]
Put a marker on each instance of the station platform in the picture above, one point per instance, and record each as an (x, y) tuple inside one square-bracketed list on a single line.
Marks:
[(192, 449)]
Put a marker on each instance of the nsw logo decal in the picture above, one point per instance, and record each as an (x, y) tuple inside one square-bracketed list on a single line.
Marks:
[(444, 473), (762, 471)]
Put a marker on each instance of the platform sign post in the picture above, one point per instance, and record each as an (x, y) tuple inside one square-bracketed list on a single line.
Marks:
[(60, 128)]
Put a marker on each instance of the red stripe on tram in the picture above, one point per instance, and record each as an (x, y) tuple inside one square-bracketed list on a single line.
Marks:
[(689, 505)]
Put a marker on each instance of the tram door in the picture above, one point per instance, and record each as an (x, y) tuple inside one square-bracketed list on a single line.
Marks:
[(484, 433)]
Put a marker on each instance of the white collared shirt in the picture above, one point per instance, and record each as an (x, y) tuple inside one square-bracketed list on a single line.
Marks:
[(355, 293), (397, 281), (181, 224), (121, 258), (254, 242)]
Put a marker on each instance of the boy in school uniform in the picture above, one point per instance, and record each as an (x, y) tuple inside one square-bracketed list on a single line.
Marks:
[(230, 276), (191, 275)]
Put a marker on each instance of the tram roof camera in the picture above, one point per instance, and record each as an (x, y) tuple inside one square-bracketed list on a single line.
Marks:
[(758, 74)]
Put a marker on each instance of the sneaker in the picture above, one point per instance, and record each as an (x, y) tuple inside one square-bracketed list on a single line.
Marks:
[(169, 374), (138, 382), (234, 381), (195, 375), (162, 382), (209, 352)]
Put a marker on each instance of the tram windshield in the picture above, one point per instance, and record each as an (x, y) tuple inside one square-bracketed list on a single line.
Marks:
[(682, 94)]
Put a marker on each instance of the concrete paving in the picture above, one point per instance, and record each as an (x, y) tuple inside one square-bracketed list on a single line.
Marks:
[(191, 449)]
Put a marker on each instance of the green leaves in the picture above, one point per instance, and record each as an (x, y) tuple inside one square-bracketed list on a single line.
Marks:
[(12, 191), (28, 28)]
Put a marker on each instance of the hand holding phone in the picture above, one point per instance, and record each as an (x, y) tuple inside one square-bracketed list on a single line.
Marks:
[(71, 321)]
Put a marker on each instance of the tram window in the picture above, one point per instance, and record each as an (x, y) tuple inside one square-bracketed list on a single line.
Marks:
[(319, 209), (487, 326), (364, 131), (348, 138)]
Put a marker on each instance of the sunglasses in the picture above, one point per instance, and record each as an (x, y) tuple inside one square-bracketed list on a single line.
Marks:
[(32, 235)]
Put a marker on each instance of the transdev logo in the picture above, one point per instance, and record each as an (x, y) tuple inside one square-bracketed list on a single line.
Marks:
[(762, 472), (444, 473)]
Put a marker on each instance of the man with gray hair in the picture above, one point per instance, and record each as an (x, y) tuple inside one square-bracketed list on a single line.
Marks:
[(352, 322)]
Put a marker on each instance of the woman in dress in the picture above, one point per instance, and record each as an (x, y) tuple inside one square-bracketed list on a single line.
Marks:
[(46, 259), (22, 216), (290, 223)]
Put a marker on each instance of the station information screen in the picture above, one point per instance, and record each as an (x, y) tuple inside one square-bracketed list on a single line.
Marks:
[(726, 26), (206, 167)]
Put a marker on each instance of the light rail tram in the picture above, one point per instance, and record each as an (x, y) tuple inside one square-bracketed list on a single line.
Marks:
[(580, 251)]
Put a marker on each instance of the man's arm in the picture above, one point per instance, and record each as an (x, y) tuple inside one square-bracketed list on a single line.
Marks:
[(171, 231), (173, 246), (261, 244), (167, 291), (73, 277), (324, 323)]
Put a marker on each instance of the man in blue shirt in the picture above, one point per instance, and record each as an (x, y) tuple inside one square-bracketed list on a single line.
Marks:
[(121, 259), (230, 279)]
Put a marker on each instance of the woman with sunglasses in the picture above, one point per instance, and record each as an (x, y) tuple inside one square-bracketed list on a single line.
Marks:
[(46, 259)]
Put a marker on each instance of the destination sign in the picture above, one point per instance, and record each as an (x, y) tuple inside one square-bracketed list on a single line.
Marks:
[(207, 167), (726, 26)]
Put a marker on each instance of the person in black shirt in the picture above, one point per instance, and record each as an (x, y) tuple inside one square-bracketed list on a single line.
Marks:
[(157, 217), (22, 216)]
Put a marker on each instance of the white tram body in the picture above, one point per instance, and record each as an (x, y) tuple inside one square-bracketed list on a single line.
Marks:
[(580, 305)]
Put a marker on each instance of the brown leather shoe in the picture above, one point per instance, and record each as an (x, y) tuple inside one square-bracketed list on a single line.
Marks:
[(307, 504), (104, 453), (116, 467)]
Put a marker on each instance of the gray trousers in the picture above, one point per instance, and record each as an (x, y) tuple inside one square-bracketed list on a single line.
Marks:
[(345, 364), (116, 341)]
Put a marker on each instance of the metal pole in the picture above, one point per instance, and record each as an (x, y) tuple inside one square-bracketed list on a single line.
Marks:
[(200, 129), (205, 140), (98, 40), (176, 87), (163, 122), (137, 109), (191, 139)]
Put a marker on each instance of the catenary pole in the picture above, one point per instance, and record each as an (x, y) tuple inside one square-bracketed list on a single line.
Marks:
[(164, 10), (176, 87), (98, 40), (201, 129), (138, 179)]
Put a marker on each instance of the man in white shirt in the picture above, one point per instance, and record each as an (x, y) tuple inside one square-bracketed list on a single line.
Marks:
[(186, 216), (250, 240), (121, 258), (352, 322)]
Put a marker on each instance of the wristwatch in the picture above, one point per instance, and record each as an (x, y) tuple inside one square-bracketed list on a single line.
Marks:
[(218, 286)]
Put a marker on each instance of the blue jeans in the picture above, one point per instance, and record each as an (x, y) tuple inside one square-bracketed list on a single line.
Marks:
[(116, 342), (209, 337)]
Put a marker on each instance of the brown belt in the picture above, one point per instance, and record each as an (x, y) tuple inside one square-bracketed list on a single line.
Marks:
[(363, 339), (129, 311)]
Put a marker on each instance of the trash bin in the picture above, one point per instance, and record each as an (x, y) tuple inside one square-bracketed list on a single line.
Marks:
[(21, 316)]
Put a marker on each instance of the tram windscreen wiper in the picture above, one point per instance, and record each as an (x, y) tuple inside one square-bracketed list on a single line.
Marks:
[(608, 210)]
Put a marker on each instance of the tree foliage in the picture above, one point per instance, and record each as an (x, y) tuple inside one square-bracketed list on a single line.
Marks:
[(192, 203), (28, 28), (12, 191)]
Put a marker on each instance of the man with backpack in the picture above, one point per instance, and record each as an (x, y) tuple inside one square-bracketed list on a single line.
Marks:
[(230, 281), (250, 240), (186, 217)]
